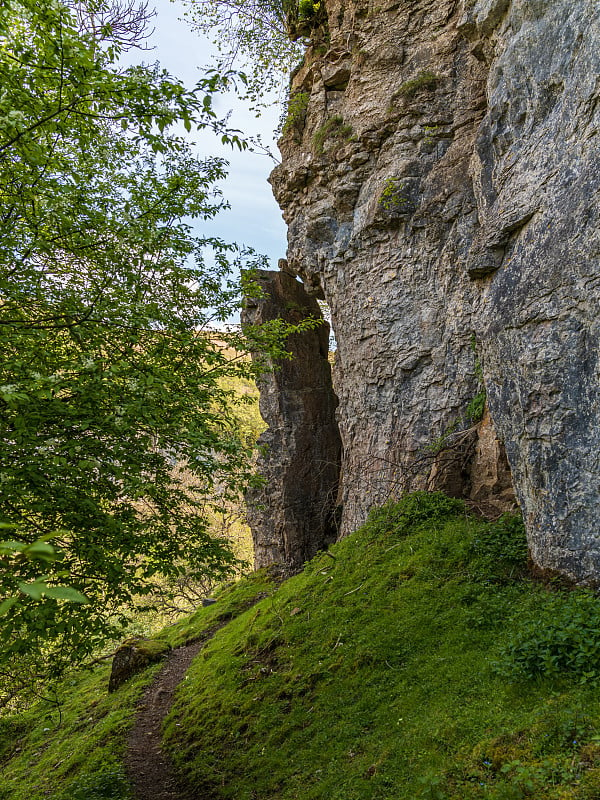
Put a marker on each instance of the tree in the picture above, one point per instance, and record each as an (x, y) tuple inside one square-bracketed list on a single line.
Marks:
[(254, 34), (115, 426)]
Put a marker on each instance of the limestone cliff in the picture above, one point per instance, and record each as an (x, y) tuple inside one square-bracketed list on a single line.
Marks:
[(440, 183)]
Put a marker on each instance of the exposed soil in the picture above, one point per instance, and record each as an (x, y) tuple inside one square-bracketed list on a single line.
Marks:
[(149, 768)]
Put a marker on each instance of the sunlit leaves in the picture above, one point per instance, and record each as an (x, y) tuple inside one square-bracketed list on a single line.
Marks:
[(251, 33), (115, 428)]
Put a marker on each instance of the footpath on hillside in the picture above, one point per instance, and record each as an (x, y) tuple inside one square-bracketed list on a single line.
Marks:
[(148, 767)]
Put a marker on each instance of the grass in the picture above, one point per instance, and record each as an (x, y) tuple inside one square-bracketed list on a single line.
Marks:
[(332, 128), (414, 660), (424, 81), (75, 754), (72, 749), (372, 675)]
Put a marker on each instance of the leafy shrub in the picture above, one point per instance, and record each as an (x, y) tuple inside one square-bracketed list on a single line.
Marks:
[(499, 550), (562, 637), (414, 509), (307, 9), (296, 112)]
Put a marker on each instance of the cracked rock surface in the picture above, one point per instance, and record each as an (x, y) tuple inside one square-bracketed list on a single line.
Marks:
[(536, 170), (440, 184)]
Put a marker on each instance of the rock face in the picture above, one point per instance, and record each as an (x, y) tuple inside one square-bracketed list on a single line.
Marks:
[(294, 513), (537, 180), (382, 212), (440, 183)]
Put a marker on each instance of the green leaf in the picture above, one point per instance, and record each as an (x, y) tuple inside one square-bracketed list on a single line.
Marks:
[(47, 537), (41, 550), (7, 604), (106, 372), (33, 590), (65, 593), (11, 546)]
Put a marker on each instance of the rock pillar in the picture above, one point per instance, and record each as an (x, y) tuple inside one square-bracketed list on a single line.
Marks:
[(293, 514)]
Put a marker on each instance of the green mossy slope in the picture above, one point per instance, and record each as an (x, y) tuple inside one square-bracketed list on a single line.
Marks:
[(397, 669), (72, 748), (414, 660)]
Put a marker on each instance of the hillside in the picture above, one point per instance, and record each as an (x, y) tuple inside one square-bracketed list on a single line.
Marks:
[(415, 659)]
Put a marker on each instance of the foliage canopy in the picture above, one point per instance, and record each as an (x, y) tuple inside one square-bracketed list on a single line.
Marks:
[(255, 34), (114, 425)]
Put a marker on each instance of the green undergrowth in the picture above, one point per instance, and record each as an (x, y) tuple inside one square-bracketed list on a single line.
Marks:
[(70, 747), (415, 659), (391, 668)]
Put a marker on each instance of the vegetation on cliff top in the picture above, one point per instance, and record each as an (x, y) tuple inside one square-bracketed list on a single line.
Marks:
[(416, 659), (262, 36)]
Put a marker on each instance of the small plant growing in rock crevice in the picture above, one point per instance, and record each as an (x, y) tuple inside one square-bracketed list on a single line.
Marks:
[(443, 441), (476, 408), (295, 117), (392, 196), (332, 128), (430, 133), (424, 81)]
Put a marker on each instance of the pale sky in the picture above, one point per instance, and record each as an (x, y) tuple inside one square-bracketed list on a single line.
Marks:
[(254, 218)]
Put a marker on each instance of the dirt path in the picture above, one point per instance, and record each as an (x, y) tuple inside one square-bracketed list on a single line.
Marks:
[(149, 769)]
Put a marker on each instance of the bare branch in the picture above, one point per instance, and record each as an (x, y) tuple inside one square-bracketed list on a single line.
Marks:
[(122, 22)]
